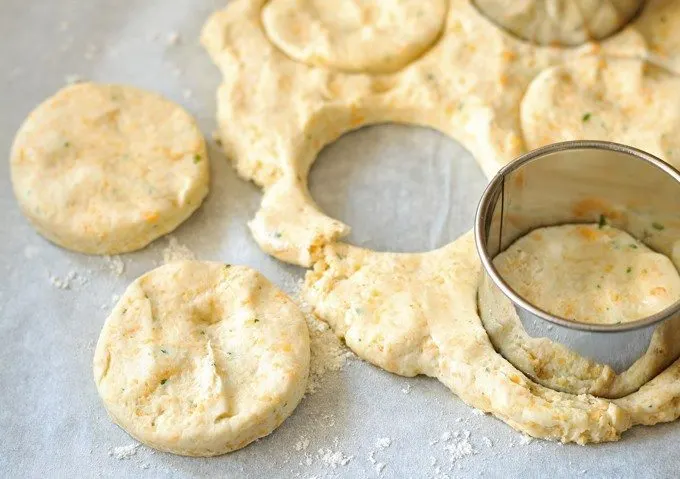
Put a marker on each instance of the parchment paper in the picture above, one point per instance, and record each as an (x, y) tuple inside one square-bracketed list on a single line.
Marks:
[(401, 188)]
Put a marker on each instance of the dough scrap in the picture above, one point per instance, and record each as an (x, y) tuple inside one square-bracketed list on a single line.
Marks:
[(335, 34), (201, 358), (275, 113), (379, 304), (613, 99), (433, 328), (589, 273), (106, 169), (560, 22)]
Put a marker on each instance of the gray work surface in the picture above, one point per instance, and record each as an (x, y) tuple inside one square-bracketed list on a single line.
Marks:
[(401, 189)]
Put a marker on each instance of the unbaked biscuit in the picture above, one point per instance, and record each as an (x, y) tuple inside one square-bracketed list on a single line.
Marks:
[(201, 358), (106, 169)]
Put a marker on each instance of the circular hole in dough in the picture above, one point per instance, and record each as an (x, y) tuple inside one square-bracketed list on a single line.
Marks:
[(201, 358), (409, 187), (105, 169), (560, 22), (590, 274), (355, 35)]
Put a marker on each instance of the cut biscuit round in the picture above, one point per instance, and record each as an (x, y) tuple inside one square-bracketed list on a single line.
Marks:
[(355, 35), (560, 22), (201, 358), (593, 274), (106, 169), (625, 100)]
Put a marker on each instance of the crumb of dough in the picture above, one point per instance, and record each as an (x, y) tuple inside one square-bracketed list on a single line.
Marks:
[(62, 283)]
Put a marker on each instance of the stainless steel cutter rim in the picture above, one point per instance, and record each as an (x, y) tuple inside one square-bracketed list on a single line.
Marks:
[(484, 211)]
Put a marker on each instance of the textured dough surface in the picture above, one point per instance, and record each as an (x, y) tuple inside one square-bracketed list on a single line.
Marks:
[(432, 327), (275, 113), (589, 274), (202, 358), (563, 259), (412, 314), (106, 169), (560, 22), (612, 99), (335, 34)]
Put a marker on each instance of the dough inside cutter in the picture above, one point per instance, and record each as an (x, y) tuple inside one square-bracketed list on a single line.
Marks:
[(591, 273)]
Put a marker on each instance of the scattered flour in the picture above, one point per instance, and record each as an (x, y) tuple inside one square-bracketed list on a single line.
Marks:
[(62, 283), (407, 388), (487, 442), (478, 412), (334, 459), (525, 440), (302, 444), (175, 251), (379, 467), (115, 264), (383, 442), (124, 452)]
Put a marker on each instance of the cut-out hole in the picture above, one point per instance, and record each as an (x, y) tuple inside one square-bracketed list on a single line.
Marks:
[(401, 188)]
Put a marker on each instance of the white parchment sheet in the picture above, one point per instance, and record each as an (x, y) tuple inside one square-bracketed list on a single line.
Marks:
[(401, 188)]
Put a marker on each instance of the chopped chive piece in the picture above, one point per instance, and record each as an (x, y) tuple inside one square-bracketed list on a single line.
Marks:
[(586, 117), (164, 351), (163, 381), (197, 158), (633, 245), (603, 221), (256, 320), (657, 226), (629, 269)]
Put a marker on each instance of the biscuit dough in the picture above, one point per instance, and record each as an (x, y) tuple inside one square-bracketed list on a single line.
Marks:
[(106, 169), (417, 314), (276, 112), (589, 273), (201, 358), (614, 99), (408, 313), (560, 22), (335, 34), (597, 273)]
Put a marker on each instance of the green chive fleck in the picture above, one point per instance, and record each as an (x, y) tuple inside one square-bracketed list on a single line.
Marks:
[(256, 320), (633, 245), (197, 158), (586, 117), (277, 235), (164, 351), (599, 286), (67, 144), (163, 381), (629, 269), (658, 226), (603, 221)]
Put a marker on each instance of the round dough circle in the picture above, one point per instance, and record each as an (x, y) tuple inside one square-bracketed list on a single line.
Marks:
[(106, 169), (355, 35), (589, 273), (201, 358), (560, 22)]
